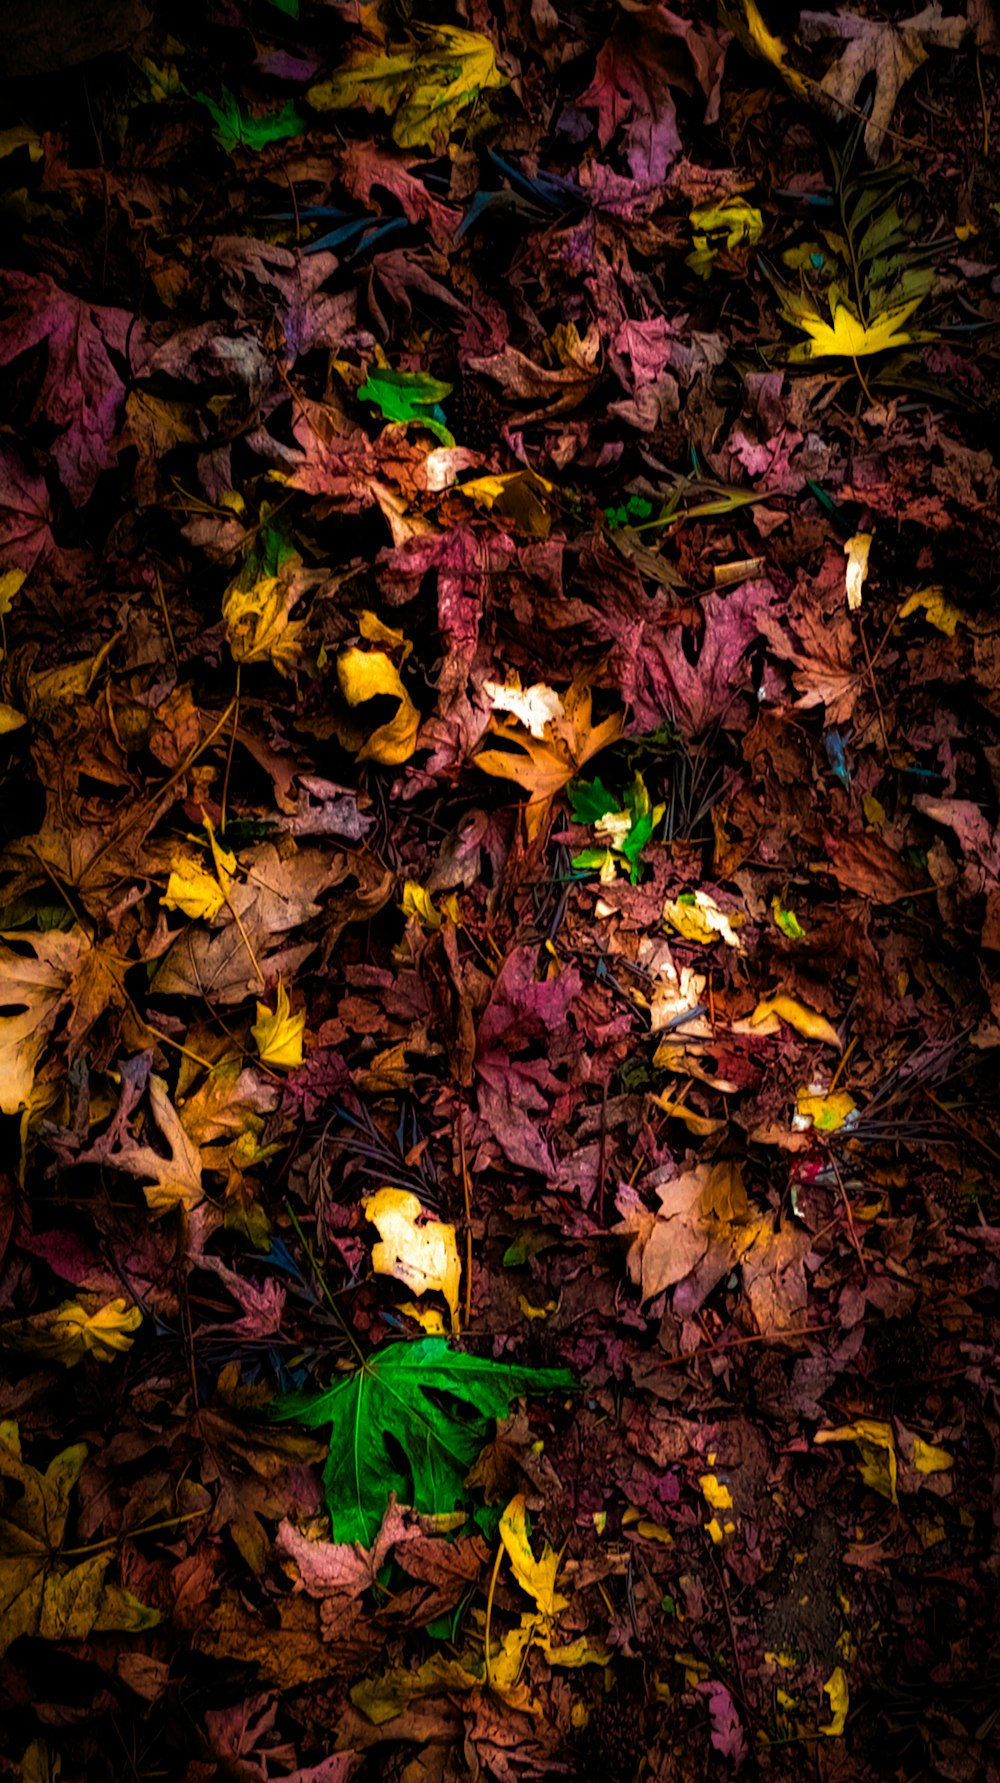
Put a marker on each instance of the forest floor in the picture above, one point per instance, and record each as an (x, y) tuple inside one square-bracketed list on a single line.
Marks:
[(500, 892)]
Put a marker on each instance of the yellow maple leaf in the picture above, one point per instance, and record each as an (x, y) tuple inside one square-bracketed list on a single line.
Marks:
[(365, 675), (423, 87), (536, 1577), (544, 759), (258, 623), (847, 336), (41, 1594), (279, 1036), (194, 891), (76, 1329), (424, 1256)]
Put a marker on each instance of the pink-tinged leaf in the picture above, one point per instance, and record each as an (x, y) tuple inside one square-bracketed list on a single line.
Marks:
[(25, 512), (727, 1731), (81, 393)]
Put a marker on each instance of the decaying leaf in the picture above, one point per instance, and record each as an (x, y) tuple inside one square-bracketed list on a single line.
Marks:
[(370, 674), (421, 1252), (38, 971), (77, 1329), (40, 1594), (547, 755), (424, 87)]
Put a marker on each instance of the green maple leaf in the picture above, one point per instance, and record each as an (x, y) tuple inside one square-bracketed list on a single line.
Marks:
[(236, 128), (436, 1404), (410, 396)]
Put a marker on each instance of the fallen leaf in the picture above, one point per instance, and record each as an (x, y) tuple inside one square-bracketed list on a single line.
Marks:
[(77, 1329), (423, 87), (939, 610), (259, 623), (877, 1448), (278, 1035), (697, 917), (370, 674), (38, 972), (890, 51), (536, 1577), (856, 551), (799, 1016), (544, 764), (424, 1256), (40, 1594), (836, 1689), (435, 1442)]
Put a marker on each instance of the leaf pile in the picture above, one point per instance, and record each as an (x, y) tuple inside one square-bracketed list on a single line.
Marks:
[(499, 891)]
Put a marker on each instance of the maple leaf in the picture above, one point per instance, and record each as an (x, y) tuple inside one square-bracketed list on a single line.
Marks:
[(847, 336), (278, 1034), (38, 973), (424, 87), (546, 758), (81, 393), (227, 962), (259, 624), (435, 1443), (889, 50), (823, 655), (40, 1594), (76, 1329)]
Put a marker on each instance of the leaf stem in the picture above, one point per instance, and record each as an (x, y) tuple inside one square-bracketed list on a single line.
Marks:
[(489, 1614)]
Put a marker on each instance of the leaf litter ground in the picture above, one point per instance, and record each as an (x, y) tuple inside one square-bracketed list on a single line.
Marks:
[(499, 892)]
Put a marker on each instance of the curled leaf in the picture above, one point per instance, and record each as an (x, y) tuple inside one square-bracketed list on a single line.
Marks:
[(536, 1577), (799, 1016), (365, 675)]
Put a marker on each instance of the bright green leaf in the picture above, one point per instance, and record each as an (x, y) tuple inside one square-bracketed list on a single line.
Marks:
[(406, 396), (435, 1440)]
